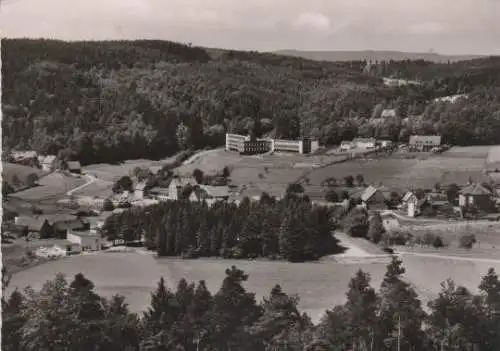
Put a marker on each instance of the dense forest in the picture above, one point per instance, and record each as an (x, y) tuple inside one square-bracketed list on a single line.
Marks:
[(72, 316), (116, 100), (291, 229)]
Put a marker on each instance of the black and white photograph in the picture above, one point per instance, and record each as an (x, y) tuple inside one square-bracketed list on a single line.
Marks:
[(265, 175)]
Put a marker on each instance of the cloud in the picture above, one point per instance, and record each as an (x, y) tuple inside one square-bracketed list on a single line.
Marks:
[(411, 25), (316, 22)]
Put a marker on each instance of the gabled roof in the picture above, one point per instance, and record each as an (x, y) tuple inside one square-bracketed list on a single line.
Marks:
[(74, 165), (475, 189), (159, 190), (426, 139), (32, 223), (216, 191), (390, 112), (368, 193), (408, 196), (140, 186)]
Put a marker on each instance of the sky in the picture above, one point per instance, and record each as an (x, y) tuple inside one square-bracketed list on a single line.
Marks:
[(444, 26)]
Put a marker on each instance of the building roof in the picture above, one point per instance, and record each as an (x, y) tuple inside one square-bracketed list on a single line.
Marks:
[(74, 165), (49, 159), (368, 193), (390, 112), (32, 223), (159, 190), (183, 181), (475, 189), (407, 196), (434, 140), (216, 191), (140, 186)]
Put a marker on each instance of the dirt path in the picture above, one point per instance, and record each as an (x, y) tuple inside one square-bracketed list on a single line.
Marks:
[(91, 179), (449, 257)]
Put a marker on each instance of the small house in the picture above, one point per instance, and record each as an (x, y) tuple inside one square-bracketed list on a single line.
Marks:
[(48, 162), (365, 143), (159, 193), (424, 143), (140, 190), (88, 240), (389, 113), (476, 195), (373, 198), (346, 146), (177, 185), (74, 167)]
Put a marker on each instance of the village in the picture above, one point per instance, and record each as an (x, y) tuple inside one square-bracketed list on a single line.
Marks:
[(78, 228)]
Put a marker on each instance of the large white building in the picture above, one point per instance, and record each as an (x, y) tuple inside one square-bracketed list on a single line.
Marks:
[(244, 145)]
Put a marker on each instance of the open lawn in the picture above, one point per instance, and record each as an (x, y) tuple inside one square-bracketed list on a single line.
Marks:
[(111, 172), (12, 170), (99, 188), (320, 285), (259, 173), (454, 166), (52, 186)]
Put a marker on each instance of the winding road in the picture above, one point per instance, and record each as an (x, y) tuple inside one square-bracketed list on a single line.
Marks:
[(91, 179)]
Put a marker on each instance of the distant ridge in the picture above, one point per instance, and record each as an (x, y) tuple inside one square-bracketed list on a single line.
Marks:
[(374, 55)]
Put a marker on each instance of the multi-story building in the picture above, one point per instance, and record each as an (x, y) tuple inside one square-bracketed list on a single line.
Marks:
[(245, 145)]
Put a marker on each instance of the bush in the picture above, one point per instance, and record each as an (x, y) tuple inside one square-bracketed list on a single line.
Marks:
[(467, 241), (332, 196), (108, 205), (438, 242)]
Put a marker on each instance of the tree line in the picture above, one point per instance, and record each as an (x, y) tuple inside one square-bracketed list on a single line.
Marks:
[(111, 101), (292, 228), (72, 316)]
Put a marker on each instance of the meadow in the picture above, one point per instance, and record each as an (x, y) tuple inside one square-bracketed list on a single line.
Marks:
[(397, 172), (258, 173), (10, 170), (50, 187), (320, 285)]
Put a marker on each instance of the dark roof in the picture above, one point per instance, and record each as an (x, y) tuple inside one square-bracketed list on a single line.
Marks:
[(434, 140), (74, 165), (475, 189), (368, 193)]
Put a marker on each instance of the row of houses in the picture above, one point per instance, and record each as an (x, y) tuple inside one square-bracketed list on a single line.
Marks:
[(474, 195), (177, 186), (47, 163), (244, 144), (417, 143)]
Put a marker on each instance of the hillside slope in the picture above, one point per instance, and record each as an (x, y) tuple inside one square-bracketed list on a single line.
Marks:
[(375, 55), (117, 100)]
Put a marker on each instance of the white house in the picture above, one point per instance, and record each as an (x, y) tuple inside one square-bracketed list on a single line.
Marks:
[(159, 193), (365, 143), (139, 190), (89, 240)]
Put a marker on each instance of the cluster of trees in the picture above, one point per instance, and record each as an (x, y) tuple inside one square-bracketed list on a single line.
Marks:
[(72, 316), (291, 229), (110, 101)]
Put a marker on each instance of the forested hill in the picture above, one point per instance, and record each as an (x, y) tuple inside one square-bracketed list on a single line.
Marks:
[(116, 100)]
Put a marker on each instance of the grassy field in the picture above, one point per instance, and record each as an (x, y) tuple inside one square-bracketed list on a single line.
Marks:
[(453, 166), (100, 188), (320, 285), (22, 172), (111, 172), (52, 186), (269, 173)]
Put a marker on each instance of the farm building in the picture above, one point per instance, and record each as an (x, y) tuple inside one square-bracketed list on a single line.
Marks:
[(493, 160), (365, 143), (372, 198), (389, 113), (30, 224), (346, 146), (159, 193), (49, 226), (74, 167), (88, 240), (408, 199), (424, 143), (139, 190), (48, 162), (476, 195), (177, 184)]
